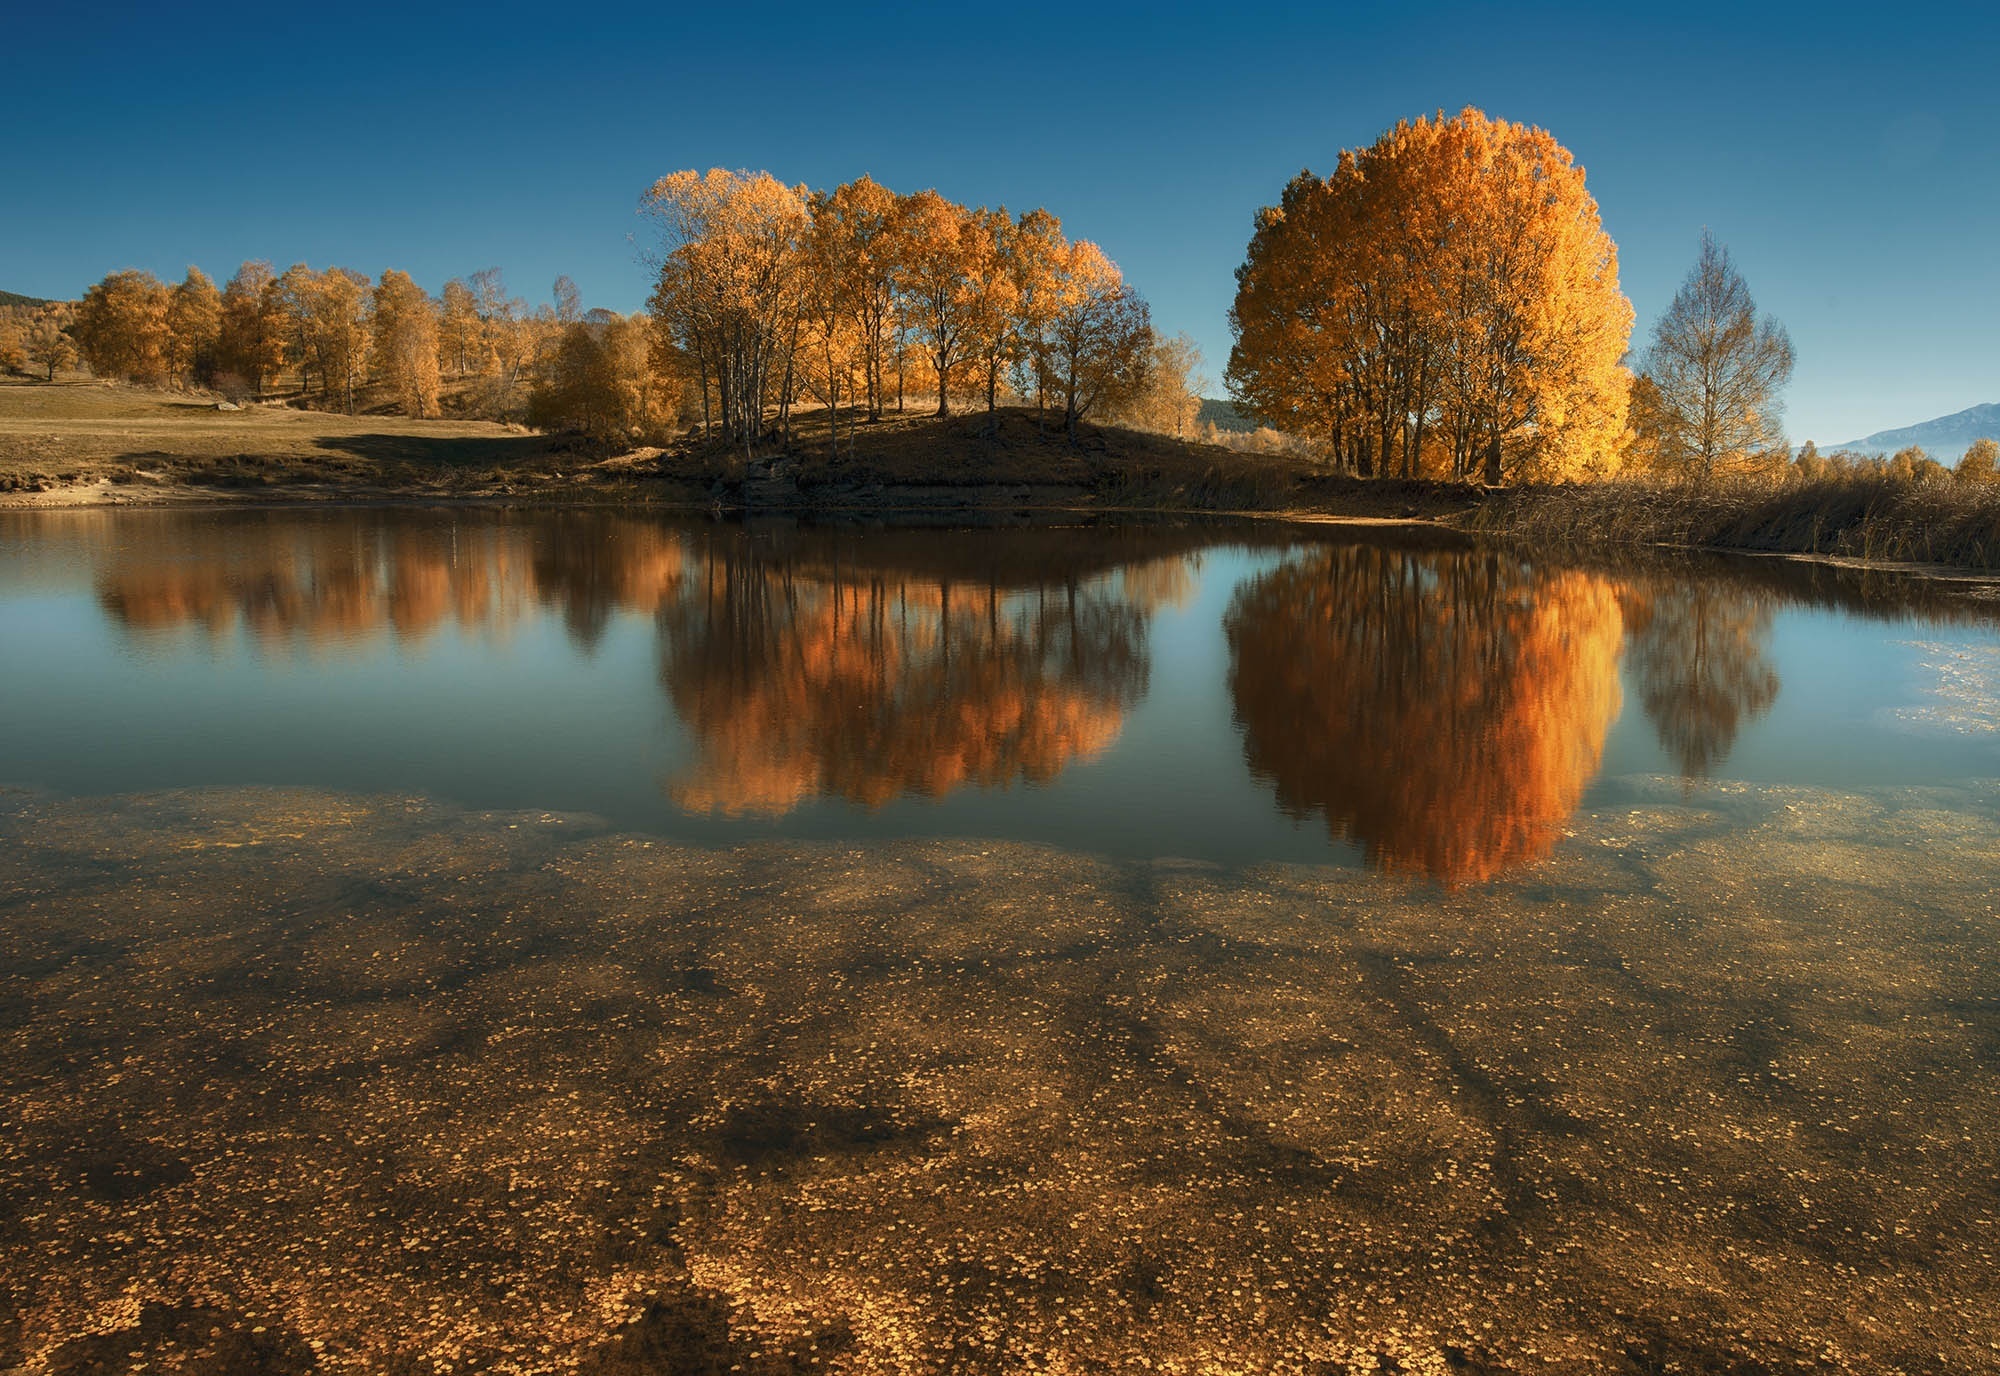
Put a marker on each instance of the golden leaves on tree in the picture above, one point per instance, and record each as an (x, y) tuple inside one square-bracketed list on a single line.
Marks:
[(1445, 304)]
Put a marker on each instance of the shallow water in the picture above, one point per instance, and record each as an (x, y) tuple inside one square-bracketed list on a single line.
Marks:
[(1222, 693), (483, 942)]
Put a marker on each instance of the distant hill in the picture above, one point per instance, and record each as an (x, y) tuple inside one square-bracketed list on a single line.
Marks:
[(1223, 415), (1944, 438), (13, 298)]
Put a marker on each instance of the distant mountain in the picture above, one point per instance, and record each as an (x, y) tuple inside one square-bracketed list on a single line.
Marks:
[(10, 298), (1223, 415), (1944, 438)]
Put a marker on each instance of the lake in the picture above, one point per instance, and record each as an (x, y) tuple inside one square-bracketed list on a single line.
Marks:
[(473, 940)]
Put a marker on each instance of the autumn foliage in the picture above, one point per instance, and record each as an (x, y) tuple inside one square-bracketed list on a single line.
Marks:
[(772, 295), (1445, 304)]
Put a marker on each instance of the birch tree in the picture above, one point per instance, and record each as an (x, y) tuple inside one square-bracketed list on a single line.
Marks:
[(1717, 370)]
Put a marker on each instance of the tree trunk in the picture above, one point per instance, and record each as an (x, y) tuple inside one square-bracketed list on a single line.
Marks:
[(832, 407), (1493, 459)]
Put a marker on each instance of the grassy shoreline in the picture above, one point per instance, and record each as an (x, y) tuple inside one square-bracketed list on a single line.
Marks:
[(93, 445)]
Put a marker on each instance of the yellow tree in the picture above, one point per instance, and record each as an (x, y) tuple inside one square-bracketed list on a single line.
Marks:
[(1297, 353), (1036, 252), (827, 347), (862, 213), (599, 382), (404, 342), (935, 280), (46, 343), (506, 338), (1446, 302), (1100, 333), (327, 327), (1979, 461), (1171, 398), (1538, 325), (458, 328), (121, 327), (13, 349), (732, 245), (251, 331), (194, 329), (992, 297)]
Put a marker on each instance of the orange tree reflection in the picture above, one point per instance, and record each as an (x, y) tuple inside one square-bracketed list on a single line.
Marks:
[(1444, 711), (868, 684)]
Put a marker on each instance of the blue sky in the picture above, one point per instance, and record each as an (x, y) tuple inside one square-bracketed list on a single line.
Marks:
[(1849, 158)]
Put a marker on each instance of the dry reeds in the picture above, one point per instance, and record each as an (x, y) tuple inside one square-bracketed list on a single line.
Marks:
[(1867, 515)]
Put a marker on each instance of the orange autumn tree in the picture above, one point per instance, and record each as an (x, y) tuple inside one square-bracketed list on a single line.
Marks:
[(776, 295), (403, 329), (1442, 711), (730, 283), (1445, 304), (122, 327)]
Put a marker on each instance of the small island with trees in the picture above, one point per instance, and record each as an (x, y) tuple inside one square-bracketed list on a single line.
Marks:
[(1434, 330)]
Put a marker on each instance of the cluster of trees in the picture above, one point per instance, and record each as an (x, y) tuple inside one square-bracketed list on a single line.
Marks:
[(1980, 463), (767, 297), (771, 295), (341, 339), (1445, 304), (36, 338)]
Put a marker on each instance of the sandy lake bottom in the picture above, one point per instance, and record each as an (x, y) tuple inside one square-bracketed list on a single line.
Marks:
[(299, 1080)]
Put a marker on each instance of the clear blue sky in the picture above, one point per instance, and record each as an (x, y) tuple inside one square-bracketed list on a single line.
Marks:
[(1849, 158)]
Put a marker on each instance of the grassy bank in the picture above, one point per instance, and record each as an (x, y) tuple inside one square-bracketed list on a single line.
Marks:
[(85, 441), (1873, 517), (89, 443)]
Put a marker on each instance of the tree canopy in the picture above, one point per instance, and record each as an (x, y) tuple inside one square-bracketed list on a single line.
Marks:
[(1445, 304)]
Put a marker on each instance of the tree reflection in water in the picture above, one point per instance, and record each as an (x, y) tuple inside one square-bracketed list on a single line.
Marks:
[(1697, 651), (1443, 710), (801, 678)]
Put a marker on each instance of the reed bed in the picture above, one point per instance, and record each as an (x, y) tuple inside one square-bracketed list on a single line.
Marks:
[(1876, 516)]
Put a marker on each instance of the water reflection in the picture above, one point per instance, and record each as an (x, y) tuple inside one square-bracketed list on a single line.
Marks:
[(290, 581), (1443, 710), (1698, 652), (865, 684)]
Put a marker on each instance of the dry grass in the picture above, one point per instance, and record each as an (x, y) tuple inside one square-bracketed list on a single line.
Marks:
[(87, 442), (1027, 458), (1862, 516), (61, 437)]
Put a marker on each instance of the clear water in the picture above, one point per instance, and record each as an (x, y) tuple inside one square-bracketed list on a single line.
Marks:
[(480, 942), (1211, 693)]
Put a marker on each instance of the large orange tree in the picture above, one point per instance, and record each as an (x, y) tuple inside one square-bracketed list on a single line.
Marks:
[(1445, 304)]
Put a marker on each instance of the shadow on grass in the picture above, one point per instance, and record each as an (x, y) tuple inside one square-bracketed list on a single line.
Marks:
[(450, 451)]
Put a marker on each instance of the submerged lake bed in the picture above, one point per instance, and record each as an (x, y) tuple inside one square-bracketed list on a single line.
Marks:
[(476, 941)]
